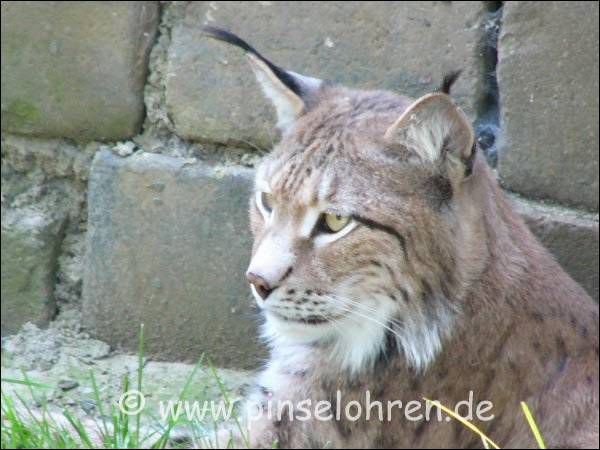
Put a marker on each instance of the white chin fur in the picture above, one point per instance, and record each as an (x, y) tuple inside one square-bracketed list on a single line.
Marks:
[(354, 343), (277, 331)]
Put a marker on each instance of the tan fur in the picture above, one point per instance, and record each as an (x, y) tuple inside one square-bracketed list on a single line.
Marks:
[(512, 325)]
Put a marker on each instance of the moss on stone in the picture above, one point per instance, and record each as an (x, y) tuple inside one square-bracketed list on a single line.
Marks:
[(20, 114)]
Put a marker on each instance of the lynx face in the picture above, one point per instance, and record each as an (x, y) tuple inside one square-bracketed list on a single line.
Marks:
[(355, 216)]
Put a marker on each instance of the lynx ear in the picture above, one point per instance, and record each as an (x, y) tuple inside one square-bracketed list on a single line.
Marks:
[(291, 94), (433, 127)]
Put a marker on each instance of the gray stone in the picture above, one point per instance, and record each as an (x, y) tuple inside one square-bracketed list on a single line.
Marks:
[(177, 265), (67, 385), (75, 69), (572, 237), (548, 78), (30, 244), (211, 93)]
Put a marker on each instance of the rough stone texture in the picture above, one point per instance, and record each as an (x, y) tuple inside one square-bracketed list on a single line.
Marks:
[(50, 176), (571, 236), (548, 78), (168, 245), (211, 93), (75, 69), (30, 242)]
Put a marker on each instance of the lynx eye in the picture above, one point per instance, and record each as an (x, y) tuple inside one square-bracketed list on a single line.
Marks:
[(267, 201), (332, 223)]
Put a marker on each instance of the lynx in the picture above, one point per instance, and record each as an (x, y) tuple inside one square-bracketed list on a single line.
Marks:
[(387, 261)]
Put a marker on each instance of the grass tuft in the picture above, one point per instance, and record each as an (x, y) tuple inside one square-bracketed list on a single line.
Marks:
[(22, 427)]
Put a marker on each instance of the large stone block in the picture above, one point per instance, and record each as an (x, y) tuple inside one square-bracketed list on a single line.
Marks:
[(548, 78), (403, 46), (168, 245), (571, 236), (75, 69), (30, 244)]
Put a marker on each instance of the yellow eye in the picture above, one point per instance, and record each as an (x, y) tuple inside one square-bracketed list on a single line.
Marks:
[(267, 201), (335, 222)]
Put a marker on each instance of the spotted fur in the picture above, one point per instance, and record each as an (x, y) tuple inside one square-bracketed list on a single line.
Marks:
[(434, 289)]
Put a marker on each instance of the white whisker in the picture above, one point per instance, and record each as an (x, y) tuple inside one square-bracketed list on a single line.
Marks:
[(369, 309), (352, 311)]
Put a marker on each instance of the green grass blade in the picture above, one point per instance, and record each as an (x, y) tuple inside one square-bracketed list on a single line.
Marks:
[(26, 382), (225, 395), (140, 376), (163, 440), (105, 434), (533, 425), (79, 428), (466, 423)]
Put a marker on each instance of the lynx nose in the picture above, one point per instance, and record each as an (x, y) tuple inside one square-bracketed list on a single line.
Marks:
[(260, 284)]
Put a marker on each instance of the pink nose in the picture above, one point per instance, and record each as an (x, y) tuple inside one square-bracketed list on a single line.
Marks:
[(260, 284)]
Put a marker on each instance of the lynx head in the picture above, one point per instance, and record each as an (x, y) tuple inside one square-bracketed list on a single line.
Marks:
[(360, 217)]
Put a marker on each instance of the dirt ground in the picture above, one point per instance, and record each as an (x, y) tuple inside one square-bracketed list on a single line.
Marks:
[(63, 358)]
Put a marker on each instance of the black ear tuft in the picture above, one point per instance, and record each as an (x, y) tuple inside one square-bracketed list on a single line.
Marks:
[(227, 36), (448, 82)]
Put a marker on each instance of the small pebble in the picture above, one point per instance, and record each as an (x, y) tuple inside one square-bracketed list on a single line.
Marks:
[(69, 402), (124, 148), (157, 186), (67, 385), (89, 406)]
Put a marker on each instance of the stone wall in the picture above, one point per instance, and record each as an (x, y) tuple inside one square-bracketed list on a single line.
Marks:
[(128, 142)]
